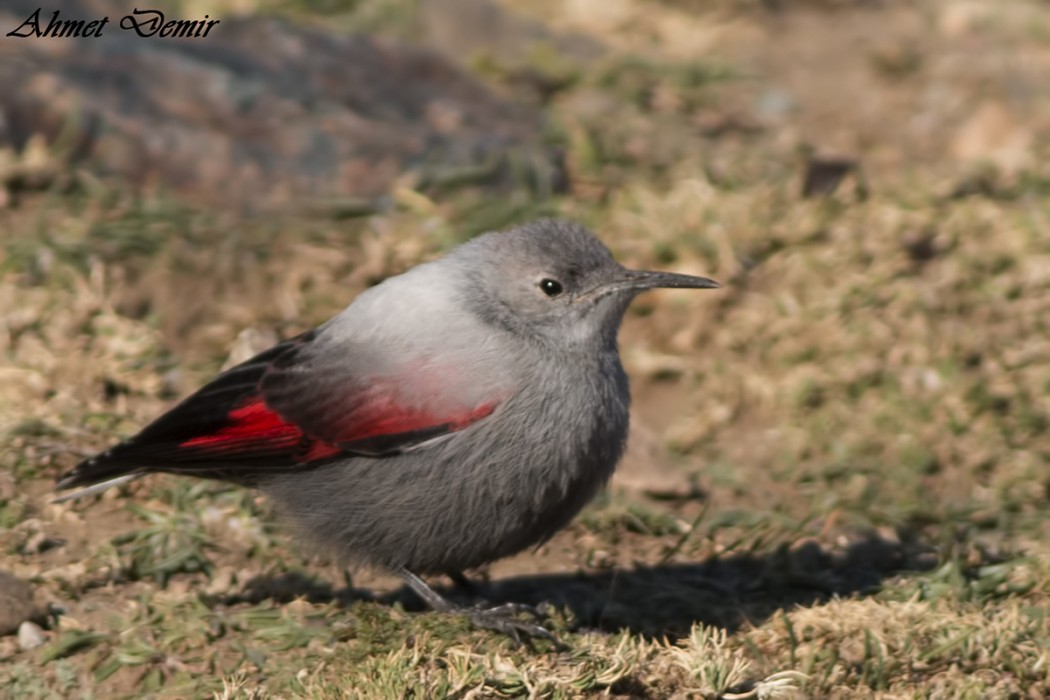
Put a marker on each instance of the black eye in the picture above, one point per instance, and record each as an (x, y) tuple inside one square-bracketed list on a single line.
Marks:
[(551, 288)]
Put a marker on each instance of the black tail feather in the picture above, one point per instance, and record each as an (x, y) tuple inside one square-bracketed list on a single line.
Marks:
[(102, 467), (156, 447)]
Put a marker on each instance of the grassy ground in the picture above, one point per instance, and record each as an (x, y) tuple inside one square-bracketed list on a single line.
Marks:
[(837, 483)]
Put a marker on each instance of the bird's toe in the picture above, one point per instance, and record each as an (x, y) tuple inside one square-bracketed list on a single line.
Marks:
[(536, 612), (502, 619)]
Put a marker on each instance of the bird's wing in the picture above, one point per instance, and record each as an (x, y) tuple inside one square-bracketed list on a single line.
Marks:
[(290, 406)]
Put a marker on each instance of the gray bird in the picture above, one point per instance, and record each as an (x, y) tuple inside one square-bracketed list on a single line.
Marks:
[(450, 416)]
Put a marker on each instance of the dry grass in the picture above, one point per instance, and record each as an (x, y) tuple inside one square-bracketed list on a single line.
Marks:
[(837, 486)]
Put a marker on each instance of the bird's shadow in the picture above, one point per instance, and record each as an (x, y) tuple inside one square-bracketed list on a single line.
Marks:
[(662, 600)]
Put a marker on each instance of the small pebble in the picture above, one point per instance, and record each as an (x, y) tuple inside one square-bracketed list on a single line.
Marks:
[(30, 636)]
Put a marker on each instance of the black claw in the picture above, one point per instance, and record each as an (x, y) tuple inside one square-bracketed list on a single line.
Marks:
[(538, 613), (501, 619), (508, 626)]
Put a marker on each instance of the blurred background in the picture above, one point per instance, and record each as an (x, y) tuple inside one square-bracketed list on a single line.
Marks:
[(859, 416)]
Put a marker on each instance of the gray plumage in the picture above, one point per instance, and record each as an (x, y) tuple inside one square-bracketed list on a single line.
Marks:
[(450, 416)]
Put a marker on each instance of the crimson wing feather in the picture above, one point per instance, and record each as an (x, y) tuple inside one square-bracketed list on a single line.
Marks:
[(361, 416), (276, 411)]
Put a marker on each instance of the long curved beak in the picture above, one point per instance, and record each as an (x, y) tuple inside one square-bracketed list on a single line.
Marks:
[(639, 280)]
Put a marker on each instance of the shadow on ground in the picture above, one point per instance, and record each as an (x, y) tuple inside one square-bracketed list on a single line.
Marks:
[(662, 600)]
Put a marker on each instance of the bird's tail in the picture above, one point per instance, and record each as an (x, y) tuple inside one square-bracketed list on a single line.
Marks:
[(94, 475), (95, 488)]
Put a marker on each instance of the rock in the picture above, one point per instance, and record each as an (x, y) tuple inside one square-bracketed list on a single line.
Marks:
[(16, 602), (30, 636), (261, 114)]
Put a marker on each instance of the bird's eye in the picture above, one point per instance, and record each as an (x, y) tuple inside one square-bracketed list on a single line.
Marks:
[(551, 288)]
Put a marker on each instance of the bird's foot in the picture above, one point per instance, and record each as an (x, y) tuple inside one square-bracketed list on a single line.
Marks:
[(505, 620), (501, 618)]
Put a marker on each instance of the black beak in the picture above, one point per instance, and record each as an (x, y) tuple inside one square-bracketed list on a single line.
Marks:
[(644, 279), (639, 280)]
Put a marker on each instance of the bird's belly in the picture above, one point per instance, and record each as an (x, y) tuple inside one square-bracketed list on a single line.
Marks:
[(476, 498)]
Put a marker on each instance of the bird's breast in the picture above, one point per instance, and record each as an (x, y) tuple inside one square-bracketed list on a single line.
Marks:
[(557, 441)]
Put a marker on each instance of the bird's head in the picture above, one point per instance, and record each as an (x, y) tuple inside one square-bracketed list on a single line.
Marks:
[(555, 280)]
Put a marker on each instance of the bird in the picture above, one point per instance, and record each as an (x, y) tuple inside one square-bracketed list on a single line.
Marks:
[(450, 416)]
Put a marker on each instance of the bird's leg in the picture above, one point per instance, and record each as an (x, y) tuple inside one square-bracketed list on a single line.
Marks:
[(428, 594), (499, 618)]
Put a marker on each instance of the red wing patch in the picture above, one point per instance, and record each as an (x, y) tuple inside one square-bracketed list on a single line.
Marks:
[(381, 417), (254, 430)]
